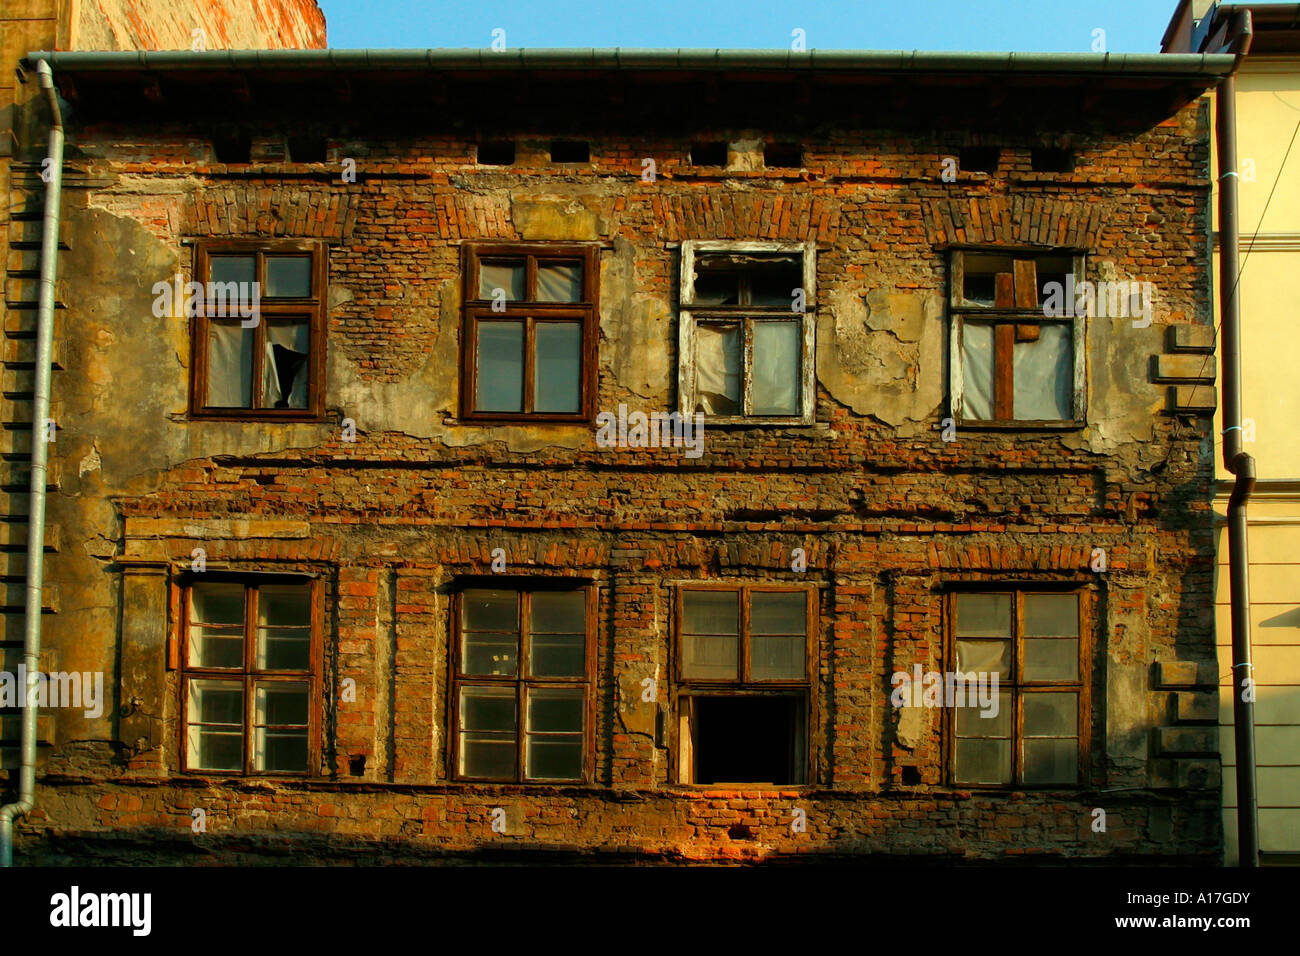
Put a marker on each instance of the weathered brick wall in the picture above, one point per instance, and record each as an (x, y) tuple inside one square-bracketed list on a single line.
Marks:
[(890, 515)]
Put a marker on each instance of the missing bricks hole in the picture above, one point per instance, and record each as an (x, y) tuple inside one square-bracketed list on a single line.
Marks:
[(709, 154), (1051, 160), (306, 149), (911, 776), (497, 153), (357, 765), (739, 831), (570, 151), (232, 145), (979, 159)]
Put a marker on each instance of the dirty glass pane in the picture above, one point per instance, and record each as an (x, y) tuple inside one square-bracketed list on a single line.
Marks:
[(487, 652), (778, 612), (977, 371), (559, 612), (557, 376), (284, 604), (284, 627), (500, 374), (978, 720), (558, 641), (710, 657), (217, 602), (776, 371), (230, 365), (487, 732), (232, 269), (285, 367), (215, 737), (554, 744), (1044, 375), (490, 640), (288, 277), (506, 274), (717, 369), (491, 610), (1052, 615), (1051, 715), (984, 615), (559, 282), (710, 612), (982, 761), (555, 710), (988, 657), (1055, 658), (1051, 761), (216, 646), (216, 625), (776, 657), (280, 727)]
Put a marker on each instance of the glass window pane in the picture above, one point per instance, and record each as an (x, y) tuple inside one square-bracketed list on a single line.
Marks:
[(288, 605), (557, 374), (232, 269), (215, 737), (559, 612), (717, 369), (710, 612), (507, 275), (280, 727), (559, 282), (281, 703), (977, 371), (216, 646), (984, 615), (487, 732), (1051, 715), (288, 277), (557, 655), (1051, 761), (773, 657), (987, 657), (778, 612), (555, 710), (973, 720), (487, 709), (554, 758), (1052, 615), (484, 652), (217, 628), (1043, 371), (490, 653), (710, 657), (284, 648), (775, 377), (285, 367), (491, 610), (499, 384), (230, 365), (217, 702), (1054, 658), (983, 761), (217, 602)]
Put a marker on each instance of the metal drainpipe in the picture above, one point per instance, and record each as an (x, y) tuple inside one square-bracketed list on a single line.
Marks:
[(1235, 458), (40, 453)]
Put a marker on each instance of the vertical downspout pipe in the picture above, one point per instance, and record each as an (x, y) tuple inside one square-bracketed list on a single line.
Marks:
[(40, 454), (1235, 459)]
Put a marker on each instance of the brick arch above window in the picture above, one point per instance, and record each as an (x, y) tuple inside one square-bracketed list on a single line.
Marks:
[(269, 213), (1013, 220)]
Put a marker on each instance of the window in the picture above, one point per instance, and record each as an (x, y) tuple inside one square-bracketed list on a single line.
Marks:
[(783, 156), (979, 159), (746, 334), (530, 332), (250, 677), (1051, 160), (1034, 641), (570, 151), (1012, 361), (259, 331), (713, 153), (520, 687), (496, 153), (744, 657)]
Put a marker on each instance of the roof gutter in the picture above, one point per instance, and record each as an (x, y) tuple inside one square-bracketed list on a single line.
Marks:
[(40, 455), (869, 61), (1235, 458)]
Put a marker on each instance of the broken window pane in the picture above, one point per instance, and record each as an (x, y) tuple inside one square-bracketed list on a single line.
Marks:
[(717, 369), (559, 282), (977, 371), (288, 277), (776, 369), (215, 740), (557, 376), (487, 732), (285, 368), (554, 746), (717, 288), (773, 286), (280, 727), (507, 275), (500, 373), (984, 615), (1043, 372), (230, 365)]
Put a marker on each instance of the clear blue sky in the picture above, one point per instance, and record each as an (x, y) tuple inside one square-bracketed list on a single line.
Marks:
[(1132, 26)]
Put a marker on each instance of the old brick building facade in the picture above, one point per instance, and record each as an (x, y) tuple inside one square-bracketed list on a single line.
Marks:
[(364, 584)]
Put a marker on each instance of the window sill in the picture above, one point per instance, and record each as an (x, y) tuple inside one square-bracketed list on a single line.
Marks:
[(1020, 426), (297, 417)]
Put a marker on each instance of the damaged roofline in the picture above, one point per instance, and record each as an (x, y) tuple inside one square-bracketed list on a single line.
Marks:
[(1168, 65)]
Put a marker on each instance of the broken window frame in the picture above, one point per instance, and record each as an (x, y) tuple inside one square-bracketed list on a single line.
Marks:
[(525, 587), (1009, 322), (692, 315), (686, 689), (249, 675), (529, 310), (310, 309), (1017, 688)]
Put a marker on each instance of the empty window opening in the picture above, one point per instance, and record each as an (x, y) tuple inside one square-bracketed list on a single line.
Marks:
[(746, 740), (496, 153), (570, 151), (232, 145), (979, 159), (1051, 160), (783, 155), (305, 148), (713, 153)]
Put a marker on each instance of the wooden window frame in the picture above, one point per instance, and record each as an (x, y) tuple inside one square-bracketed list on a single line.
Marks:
[(692, 316), (685, 689), (1008, 319), (475, 309), (525, 587), (313, 308), (249, 675), (1017, 687)]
